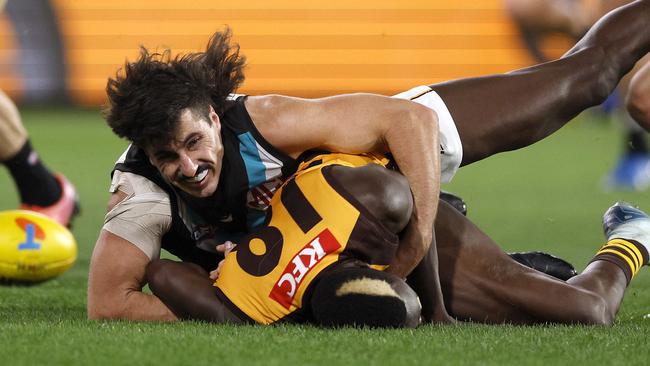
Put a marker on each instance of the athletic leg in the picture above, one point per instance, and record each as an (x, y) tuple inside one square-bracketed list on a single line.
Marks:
[(638, 99), (481, 283), (386, 194), (12, 133), (39, 189), (506, 112)]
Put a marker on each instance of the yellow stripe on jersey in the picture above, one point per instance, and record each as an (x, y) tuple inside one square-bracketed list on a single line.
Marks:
[(311, 223)]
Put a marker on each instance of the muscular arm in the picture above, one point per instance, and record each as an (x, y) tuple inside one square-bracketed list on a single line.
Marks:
[(358, 123), (188, 291), (116, 278)]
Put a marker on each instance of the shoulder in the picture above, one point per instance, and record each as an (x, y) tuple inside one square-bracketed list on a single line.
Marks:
[(267, 108), (139, 212), (273, 115), (138, 200), (324, 123), (132, 184)]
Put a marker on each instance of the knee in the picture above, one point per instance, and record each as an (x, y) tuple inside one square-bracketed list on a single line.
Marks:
[(595, 68), (606, 75)]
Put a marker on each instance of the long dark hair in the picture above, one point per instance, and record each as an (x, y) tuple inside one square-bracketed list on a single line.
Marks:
[(147, 96)]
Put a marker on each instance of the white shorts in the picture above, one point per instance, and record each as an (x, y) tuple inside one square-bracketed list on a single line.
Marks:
[(451, 148)]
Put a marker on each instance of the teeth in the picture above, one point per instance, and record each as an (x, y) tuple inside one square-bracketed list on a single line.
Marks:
[(199, 177)]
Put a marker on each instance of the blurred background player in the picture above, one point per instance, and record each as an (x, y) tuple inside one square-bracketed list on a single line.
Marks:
[(40, 190), (537, 19), (638, 99)]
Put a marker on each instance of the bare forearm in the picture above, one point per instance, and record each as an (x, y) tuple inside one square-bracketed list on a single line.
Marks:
[(359, 123), (416, 150), (115, 280), (128, 305), (425, 281)]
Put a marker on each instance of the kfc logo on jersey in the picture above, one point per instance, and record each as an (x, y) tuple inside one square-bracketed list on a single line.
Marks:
[(309, 256), (259, 197)]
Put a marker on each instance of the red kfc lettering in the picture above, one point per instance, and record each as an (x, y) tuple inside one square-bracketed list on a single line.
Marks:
[(307, 258)]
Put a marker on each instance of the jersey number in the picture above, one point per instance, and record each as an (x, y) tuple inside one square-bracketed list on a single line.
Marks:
[(303, 214)]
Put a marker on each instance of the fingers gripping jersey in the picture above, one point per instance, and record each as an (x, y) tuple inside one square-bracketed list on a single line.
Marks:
[(313, 224)]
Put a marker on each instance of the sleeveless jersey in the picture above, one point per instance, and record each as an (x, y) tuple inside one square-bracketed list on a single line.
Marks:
[(313, 224), (252, 171)]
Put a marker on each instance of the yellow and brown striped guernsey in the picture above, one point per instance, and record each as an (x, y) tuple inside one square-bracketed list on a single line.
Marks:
[(313, 224)]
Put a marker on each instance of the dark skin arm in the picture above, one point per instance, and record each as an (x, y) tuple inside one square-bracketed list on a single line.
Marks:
[(187, 290)]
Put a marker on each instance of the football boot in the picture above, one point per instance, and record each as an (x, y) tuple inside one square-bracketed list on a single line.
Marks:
[(625, 221), (546, 263), (455, 201), (63, 210), (632, 173)]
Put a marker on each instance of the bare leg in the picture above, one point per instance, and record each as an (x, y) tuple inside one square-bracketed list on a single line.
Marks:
[(638, 99), (481, 283), (12, 133), (506, 112)]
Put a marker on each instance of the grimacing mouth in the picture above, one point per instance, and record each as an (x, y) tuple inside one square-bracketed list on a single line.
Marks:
[(201, 173)]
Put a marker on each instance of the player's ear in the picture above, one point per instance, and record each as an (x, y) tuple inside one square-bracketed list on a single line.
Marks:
[(214, 118)]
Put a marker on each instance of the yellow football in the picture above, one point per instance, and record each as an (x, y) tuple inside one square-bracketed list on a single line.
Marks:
[(33, 247)]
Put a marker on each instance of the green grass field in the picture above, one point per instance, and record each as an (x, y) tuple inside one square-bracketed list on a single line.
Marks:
[(545, 197)]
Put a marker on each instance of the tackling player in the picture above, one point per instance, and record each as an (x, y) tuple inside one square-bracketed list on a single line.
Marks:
[(203, 165)]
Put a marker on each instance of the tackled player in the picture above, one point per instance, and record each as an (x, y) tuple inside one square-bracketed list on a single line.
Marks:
[(332, 223)]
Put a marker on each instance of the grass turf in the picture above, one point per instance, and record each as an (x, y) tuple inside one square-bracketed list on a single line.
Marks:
[(545, 197)]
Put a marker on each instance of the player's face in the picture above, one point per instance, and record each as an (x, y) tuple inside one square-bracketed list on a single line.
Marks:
[(192, 162)]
